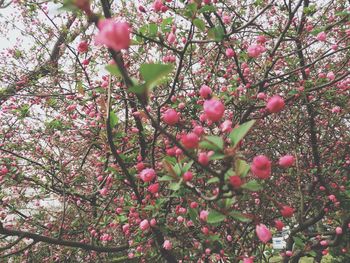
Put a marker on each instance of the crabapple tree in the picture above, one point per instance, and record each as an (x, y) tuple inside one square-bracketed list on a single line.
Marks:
[(174, 130)]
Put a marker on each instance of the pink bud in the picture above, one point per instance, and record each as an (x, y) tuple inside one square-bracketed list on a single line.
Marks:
[(226, 126), (263, 233), (235, 181), (203, 215), (255, 51), (113, 34), (321, 36), (205, 91), (144, 225), (275, 104), (203, 158), (153, 222), (171, 117), (339, 230), (214, 109), (279, 225), (187, 176), (330, 76), (171, 38), (229, 53), (147, 175), (261, 167), (190, 140), (83, 47), (167, 245), (286, 161), (153, 188), (287, 211)]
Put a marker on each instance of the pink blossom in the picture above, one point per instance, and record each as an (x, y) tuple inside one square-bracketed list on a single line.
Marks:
[(330, 76), (147, 175), (190, 140), (171, 117), (263, 233), (226, 126), (339, 230), (83, 47), (279, 224), (203, 215), (113, 34), (286, 161), (153, 188), (205, 91), (261, 167), (287, 211), (275, 104), (321, 36), (214, 109), (255, 50), (167, 245), (187, 176), (248, 260), (144, 225), (336, 109), (157, 5), (229, 52)]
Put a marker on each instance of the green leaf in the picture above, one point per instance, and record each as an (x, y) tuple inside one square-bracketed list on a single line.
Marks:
[(191, 10), (187, 166), (114, 70), (207, 9), (138, 89), (212, 143), (113, 119), (213, 180), (215, 217), (242, 168), (217, 33), (240, 132), (239, 216), (217, 156), (200, 24), (193, 214), (298, 242), (252, 185), (153, 29), (175, 186), (165, 178), (153, 74)]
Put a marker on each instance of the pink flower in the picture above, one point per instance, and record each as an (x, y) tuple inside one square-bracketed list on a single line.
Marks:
[(157, 5), (321, 36), (153, 188), (203, 158), (187, 176), (287, 211), (255, 51), (330, 76), (336, 109), (339, 230), (286, 161), (279, 225), (214, 109), (144, 225), (263, 233), (171, 117), (113, 34), (261, 167), (83, 47), (248, 260), (171, 38), (203, 215), (226, 19), (167, 245), (205, 91), (190, 140), (147, 175), (275, 104), (261, 39), (226, 126), (235, 181), (153, 222), (229, 53)]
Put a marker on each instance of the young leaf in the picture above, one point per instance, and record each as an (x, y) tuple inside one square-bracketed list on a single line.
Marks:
[(238, 133), (212, 143), (113, 119), (154, 73), (240, 217), (252, 185), (114, 70), (215, 217), (200, 24)]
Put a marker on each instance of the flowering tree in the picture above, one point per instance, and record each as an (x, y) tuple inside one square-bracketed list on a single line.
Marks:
[(175, 131)]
